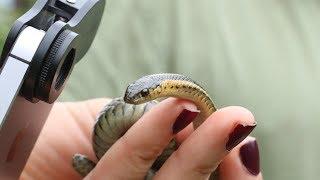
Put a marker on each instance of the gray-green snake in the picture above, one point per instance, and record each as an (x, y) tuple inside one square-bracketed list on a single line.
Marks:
[(121, 113)]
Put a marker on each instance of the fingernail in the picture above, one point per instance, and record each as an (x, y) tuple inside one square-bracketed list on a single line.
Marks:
[(184, 119), (239, 133), (249, 155)]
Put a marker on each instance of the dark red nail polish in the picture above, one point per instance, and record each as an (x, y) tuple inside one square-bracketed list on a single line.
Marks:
[(239, 133), (249, 155), (184, 119)]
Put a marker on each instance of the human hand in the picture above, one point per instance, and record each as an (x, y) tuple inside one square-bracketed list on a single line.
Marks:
[(69, 127)]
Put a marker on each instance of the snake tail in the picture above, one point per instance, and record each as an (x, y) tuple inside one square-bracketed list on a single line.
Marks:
[(82, 164)]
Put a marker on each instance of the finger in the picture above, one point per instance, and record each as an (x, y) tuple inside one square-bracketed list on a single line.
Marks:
[(242, 163), (200, 154), (133, 154), (184, 134)]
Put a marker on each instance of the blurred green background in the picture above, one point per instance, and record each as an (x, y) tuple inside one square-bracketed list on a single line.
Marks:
[(263, 55), (9, 11), (5, 20)]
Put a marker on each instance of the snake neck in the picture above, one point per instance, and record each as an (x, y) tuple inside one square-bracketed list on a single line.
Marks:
[(189, 91)]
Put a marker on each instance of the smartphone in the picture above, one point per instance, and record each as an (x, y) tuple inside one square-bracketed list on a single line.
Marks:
[(20, 120)]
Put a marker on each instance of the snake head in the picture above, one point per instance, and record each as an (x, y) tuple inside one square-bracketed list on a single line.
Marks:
[(137, 97), (149, 87), (140, 91)]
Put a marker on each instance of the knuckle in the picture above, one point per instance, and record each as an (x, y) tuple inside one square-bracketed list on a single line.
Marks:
[(203, 169), (140, 154), (146, 156)]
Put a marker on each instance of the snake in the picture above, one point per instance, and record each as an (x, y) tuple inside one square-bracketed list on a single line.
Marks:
[(140, 96)]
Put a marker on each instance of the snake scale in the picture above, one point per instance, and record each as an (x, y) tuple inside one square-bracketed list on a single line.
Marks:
[(121, 113)]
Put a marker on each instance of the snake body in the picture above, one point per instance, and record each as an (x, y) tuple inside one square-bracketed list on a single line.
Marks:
[(121, 113)]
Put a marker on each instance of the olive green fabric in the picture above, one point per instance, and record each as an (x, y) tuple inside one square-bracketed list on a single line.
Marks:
[(263, 55)]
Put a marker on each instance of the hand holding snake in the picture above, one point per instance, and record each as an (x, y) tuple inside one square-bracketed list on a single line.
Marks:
[(197, 152)]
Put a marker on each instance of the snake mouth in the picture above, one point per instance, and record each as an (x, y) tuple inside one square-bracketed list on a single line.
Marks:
[(135, 98), (130, 98), (130, 101)]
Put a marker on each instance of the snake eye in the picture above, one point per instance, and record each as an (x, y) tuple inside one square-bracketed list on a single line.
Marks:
[(144, 92)]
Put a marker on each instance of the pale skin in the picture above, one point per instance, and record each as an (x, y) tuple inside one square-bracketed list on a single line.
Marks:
[(69, 127)]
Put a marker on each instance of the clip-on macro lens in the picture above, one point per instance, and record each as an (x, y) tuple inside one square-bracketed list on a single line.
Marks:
[(39, 54)]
